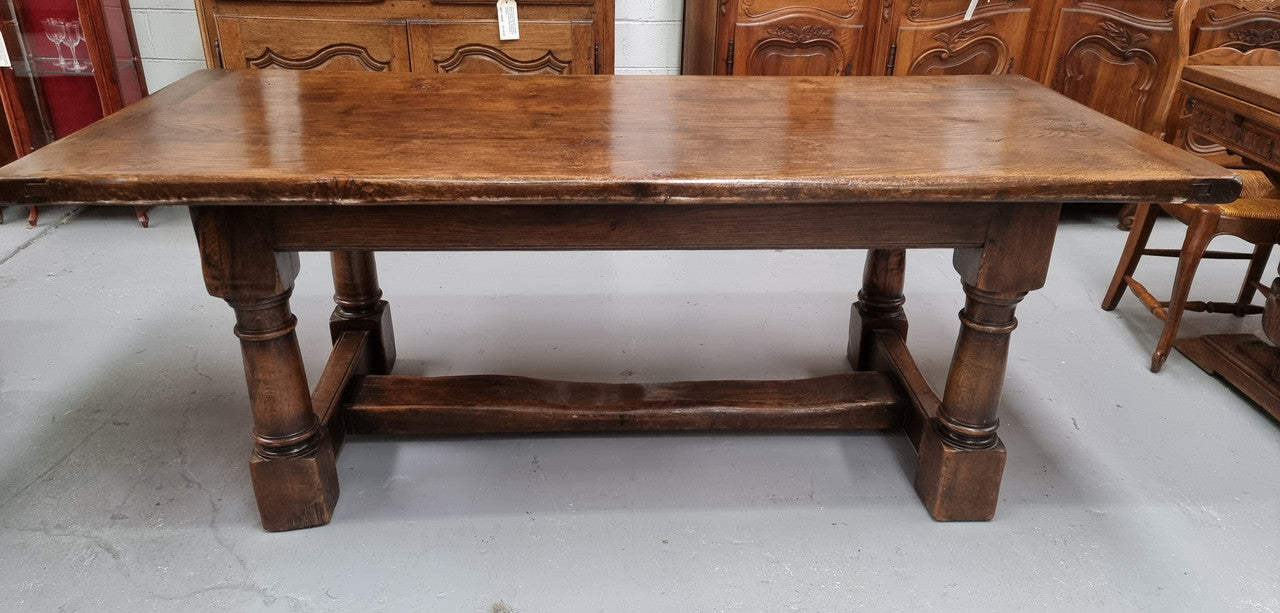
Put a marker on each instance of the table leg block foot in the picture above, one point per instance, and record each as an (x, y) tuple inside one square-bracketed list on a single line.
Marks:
[(382, 349), (958, 484), (296, 492), (862, 346)]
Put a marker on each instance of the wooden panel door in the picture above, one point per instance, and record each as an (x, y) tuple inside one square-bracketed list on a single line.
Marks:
[(312, 44), (1122, 58), (548, 47), (777, 37), (933, 38)]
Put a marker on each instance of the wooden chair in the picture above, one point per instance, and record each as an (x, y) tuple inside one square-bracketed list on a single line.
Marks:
[(1255, 218)]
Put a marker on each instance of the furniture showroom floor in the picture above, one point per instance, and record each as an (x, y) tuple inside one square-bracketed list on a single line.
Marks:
[(124, 483)]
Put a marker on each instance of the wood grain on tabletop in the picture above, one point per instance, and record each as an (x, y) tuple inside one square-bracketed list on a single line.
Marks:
[(349, 138)]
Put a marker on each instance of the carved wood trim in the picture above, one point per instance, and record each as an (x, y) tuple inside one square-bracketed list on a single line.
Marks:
[(270, 58), (1124, 38), (962, 34), (917, 6), (854, 6), (1242, 136), (1254, 37), (1243, 8), (805, 33), (547, 63), (1112, 11)]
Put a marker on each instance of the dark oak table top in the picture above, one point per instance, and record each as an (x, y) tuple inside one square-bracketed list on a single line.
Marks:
[(284, 137)]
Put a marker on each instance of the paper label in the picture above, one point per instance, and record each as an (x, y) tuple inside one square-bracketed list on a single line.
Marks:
[(508, 22), (973, 6), (4, 55)]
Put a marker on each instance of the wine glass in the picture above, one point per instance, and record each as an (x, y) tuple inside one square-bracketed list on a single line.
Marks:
[(74, 36), (56, 31)]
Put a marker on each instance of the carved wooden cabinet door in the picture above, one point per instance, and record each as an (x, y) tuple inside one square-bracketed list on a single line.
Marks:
[(1120, 58), (780, 37), (468, 46), (303, 44), (933, 38)]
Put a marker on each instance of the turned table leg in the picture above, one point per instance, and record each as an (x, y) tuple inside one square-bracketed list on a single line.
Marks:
[(360, 308), (879, 304), (292, 465), (961, 459)]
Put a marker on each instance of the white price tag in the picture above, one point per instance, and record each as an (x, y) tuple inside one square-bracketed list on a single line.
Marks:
[(4, 55), (973, 6), (508, 22)]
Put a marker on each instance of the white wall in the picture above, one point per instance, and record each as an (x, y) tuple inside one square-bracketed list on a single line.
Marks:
[(646, 32)]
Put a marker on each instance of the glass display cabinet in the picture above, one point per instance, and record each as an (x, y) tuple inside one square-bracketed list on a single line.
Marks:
[(66, 64)]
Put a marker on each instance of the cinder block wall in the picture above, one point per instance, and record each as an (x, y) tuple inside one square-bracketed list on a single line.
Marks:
[(646, 33)]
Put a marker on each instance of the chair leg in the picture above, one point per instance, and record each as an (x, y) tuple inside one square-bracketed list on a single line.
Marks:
[(1261, 253), (1203, 227), (1144, 218), (1124, 219)]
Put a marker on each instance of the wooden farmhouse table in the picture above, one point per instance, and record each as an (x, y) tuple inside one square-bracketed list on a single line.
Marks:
[(276, 162), (1238, 107)]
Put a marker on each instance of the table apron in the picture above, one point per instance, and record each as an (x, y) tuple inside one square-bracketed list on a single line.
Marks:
[(1241, 127), (624, 226)]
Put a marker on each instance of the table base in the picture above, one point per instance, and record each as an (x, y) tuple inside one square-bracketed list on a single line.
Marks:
[(892, 395), (249, 257)]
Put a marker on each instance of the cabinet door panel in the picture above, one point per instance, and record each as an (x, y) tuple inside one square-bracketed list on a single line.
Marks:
[(1122, 64), (563, 47), (797, 42), (939, 41), (307, 44)]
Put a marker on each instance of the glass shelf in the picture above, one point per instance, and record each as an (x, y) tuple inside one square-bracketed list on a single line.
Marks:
[(48, 66)]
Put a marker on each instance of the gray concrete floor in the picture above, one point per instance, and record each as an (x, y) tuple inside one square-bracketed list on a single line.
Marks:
[(124, 486)]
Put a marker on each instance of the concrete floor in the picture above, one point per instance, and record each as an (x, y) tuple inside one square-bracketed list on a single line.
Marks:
[(124, 486)]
